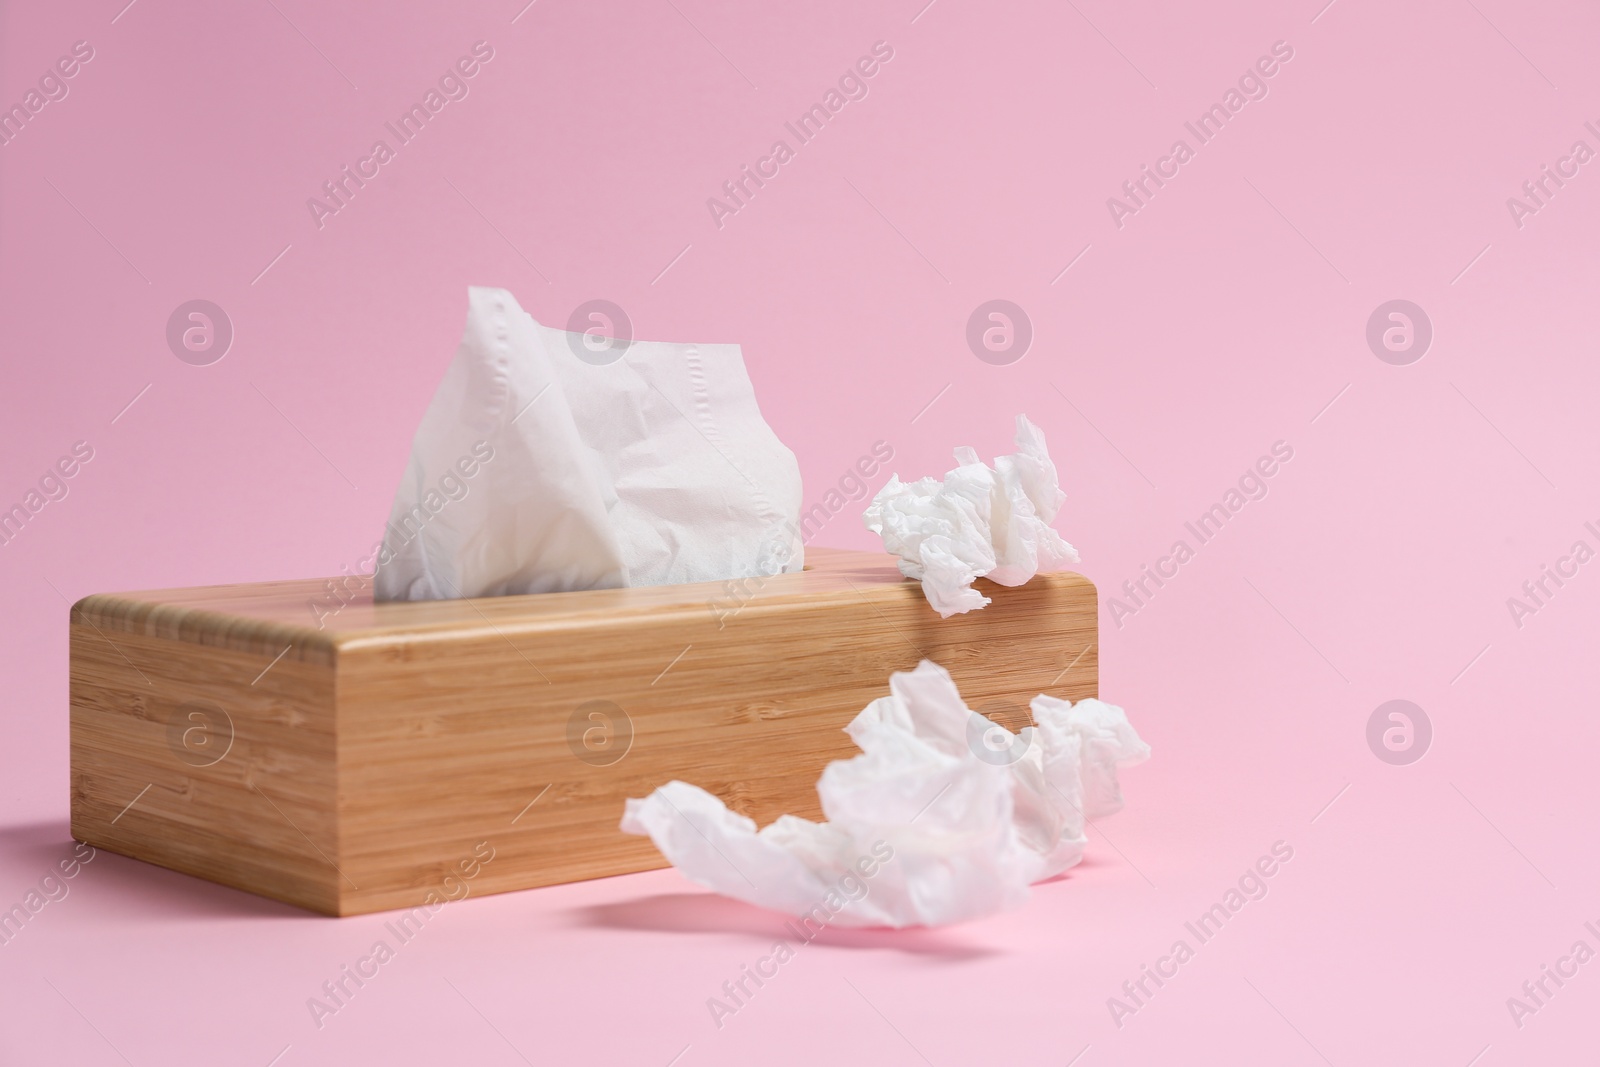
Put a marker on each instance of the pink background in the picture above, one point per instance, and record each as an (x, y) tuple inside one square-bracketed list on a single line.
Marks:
[(1224, 316)]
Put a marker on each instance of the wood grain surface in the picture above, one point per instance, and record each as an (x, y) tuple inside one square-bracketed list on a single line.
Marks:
[(373, 761)]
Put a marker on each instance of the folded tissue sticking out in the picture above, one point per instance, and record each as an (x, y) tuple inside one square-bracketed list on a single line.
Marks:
[(978, 523), (540, 468), (944, 816)]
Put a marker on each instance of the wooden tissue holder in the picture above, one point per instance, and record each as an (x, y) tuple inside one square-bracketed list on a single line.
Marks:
[(407, 753)]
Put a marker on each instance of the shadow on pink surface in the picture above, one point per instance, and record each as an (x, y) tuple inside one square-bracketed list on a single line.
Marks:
[(142, 890), (706, 912)]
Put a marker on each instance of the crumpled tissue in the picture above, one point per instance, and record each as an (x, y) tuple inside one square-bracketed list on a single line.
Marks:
[(545, 463), (944, 816), (980, 522)]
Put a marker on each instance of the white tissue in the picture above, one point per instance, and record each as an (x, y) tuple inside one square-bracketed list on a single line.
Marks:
[(953, 815), (978, 523), (656, 468)]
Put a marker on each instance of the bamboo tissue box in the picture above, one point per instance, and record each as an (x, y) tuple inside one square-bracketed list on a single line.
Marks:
[(296, 740)]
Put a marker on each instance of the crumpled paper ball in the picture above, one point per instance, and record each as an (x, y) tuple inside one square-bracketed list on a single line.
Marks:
[(944, 816), (980, 522)]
